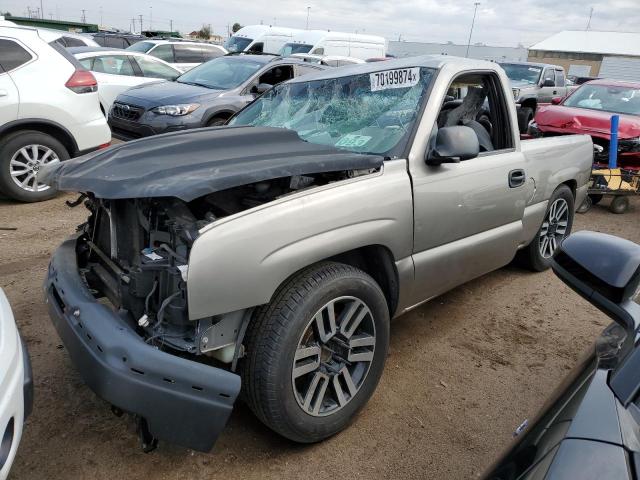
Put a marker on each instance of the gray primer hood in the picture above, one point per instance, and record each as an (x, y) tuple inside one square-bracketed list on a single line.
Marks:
[(190, 164)]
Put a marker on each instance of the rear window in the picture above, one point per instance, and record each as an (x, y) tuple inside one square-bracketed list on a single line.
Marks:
[(68, 57), (115, 42), (142, 47), (210, 51), (73, 42), (188, 53), (163, 52), (13, 55)]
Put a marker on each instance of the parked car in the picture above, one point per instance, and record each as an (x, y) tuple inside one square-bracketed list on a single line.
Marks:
[(588, 110), (116, 39), (327, 60), (16, 386), (589, 429), (183, 55), (320, 42), (49, 110), (67, 39), (259, 39), (280, 246), (118, 70), (534, 84), (206, 96)]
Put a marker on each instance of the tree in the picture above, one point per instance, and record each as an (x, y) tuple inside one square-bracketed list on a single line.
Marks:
[(204, 32), (236, 26), (5, 14)]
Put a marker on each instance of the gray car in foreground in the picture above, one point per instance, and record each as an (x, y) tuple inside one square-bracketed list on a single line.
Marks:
[(205, 96), (269, 256)]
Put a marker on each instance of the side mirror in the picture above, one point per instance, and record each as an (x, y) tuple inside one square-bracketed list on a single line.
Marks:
[(556, 100), (453, 144), (605, 270), (261, 88), (548, 83)]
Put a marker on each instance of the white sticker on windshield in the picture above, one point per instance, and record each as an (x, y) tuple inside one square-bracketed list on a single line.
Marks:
[(351, 140), (533, 69), (398, 78)]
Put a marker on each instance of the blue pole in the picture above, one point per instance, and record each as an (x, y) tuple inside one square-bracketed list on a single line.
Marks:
[(613, 143)]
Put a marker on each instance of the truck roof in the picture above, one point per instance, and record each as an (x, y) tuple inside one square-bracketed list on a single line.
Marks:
[(430, 61), (535, 64)]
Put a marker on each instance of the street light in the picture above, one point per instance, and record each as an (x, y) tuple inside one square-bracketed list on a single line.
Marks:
[(475, 9), (308, 10)]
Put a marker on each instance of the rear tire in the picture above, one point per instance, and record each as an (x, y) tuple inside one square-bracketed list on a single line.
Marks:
[(22, 154), (596, 198), (619, 205), (557, 223), (294, 333)]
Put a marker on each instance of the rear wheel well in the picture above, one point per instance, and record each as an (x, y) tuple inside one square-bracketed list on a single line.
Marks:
[(58, 133), (378, 262)]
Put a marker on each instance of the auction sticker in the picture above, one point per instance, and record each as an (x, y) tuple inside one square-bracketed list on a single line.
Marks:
[(352, 140), (397, 78)]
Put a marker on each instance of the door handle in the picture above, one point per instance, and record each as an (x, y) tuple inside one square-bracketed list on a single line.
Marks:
[(516, 178), (555, 92), (3, 93)]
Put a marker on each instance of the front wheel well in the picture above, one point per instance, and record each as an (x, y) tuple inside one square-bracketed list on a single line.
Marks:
[(378, 262), (573, 185), (530, 103)]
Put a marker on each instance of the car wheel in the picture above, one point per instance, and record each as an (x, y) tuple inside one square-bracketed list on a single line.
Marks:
[(216, 122), (525, 115), (556, 225), (316, 352), (585, 206), (619, 205), (596, 198), (22, 155)]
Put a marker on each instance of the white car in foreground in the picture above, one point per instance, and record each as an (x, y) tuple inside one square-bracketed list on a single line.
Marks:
[(49, 110), (16, 387), (118, 70)]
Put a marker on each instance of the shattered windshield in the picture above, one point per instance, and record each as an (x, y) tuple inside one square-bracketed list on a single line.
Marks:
[(522, 73), (367, 113), (609, 98)]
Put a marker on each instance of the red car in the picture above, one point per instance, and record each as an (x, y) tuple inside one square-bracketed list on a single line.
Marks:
[(588, 110)]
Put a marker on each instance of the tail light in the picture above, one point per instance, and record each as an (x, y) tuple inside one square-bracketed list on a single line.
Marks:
[(82, 81)]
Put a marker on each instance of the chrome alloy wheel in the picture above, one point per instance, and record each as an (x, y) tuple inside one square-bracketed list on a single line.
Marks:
[(554, 227), (27, 162), (333, 356)]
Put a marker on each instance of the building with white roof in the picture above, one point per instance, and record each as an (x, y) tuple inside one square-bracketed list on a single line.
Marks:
[(591, 53)]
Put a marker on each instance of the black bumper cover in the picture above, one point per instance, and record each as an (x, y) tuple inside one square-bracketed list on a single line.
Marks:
[(184, 402)]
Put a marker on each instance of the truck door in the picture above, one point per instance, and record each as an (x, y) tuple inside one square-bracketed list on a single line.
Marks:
[(546, 93), (14, 55), (468, 215), (561, 86)]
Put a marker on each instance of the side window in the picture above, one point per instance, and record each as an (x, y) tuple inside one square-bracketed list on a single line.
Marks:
[(155, 69), (318, 51), (87, 63), (211, 51), (559, 78), (256, 48), (276, 75), (549, 74), (163, 52), (13, 55), (73, 42), (477, 101), (113, 64), (186, 53)]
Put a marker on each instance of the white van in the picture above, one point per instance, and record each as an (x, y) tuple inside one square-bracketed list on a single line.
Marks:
[(260, 39), (319, 42)]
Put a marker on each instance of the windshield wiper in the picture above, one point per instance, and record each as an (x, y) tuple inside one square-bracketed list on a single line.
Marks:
[(196, 84)]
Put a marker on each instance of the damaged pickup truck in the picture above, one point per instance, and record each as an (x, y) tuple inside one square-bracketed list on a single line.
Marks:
[(266, 258)]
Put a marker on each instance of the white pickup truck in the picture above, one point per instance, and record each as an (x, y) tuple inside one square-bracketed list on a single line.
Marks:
[(270, 255)]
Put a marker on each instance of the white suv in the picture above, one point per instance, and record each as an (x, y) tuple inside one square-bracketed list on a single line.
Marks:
[(182, 54), (49, 110)]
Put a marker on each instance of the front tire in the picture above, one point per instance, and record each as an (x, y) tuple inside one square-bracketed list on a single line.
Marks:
[(22, 155), (315, 354), (525, 115), (557, 223)]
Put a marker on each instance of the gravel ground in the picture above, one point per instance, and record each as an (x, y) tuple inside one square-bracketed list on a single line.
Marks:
[(463, 371)]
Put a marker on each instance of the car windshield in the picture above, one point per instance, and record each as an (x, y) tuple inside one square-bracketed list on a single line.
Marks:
[(367, 113), (237, 44), (522, 73), (142, 47), (608, 98), (291, 48), (222, 73)]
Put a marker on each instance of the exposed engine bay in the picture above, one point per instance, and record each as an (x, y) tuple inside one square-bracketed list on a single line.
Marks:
[(133, 254)]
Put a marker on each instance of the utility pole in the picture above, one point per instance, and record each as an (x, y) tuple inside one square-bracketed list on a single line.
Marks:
[(589, 22), (133, 25), (171, 25), (475, 9), (37, 12), (51, 15), (140, 24), (29, 11), (41, 10), (84, 16), (150, 18), (101, 16), (308, 10)]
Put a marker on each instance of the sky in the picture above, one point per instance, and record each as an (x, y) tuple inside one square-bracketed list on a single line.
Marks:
[(498, 22)]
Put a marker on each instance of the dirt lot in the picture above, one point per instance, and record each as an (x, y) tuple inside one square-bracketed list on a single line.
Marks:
[(463, 372)]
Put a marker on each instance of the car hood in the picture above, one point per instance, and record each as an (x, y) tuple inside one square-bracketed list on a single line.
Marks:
[(152, 95), (190, 164), (561, 119)]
